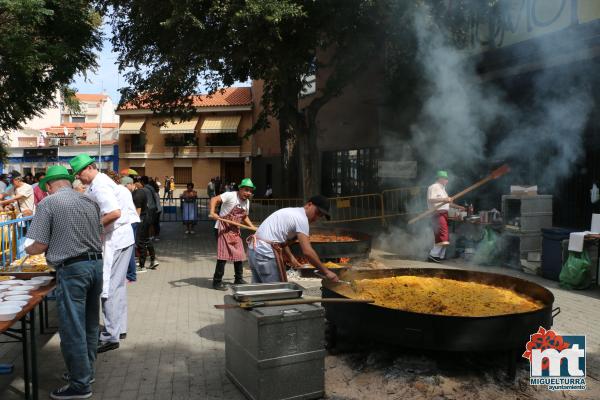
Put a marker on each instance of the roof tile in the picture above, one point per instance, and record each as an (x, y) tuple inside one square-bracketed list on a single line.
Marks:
[(233, 96)]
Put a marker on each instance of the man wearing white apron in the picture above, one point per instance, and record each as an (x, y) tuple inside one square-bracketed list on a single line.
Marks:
[(118, 213)]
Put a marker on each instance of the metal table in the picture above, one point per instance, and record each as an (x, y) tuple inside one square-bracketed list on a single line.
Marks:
[(27, 337)]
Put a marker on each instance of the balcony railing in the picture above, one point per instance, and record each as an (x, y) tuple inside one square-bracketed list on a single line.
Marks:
[(181, 140), (223, 139)]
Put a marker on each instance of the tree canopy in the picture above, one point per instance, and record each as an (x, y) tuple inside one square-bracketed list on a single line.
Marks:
[(170, 50), (43, 45)]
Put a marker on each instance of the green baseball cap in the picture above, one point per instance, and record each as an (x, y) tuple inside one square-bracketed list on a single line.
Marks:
[(442, 174), (247, 182), (79, 162), (55, 173)]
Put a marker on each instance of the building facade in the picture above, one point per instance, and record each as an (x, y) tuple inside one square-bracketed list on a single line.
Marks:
[(348, 138), (210, 144), (59, 133)]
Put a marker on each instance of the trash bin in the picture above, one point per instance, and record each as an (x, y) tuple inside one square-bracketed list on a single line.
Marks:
[(552, 254)]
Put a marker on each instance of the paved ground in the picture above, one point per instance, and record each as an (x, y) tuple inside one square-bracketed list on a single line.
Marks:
[(175, 348)]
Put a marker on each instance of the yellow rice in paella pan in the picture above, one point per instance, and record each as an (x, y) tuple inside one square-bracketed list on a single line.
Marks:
[(443, 296)]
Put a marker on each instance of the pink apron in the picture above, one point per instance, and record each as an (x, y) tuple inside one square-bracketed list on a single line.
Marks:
[(230, 246)]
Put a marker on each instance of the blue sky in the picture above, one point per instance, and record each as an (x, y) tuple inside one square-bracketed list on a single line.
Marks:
[(107, 77)]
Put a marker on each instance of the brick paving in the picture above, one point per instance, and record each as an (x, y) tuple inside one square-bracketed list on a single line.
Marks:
[(175, 348), (175, 345)]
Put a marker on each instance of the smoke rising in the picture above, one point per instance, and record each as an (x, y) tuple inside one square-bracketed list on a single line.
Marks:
[(468, 125)]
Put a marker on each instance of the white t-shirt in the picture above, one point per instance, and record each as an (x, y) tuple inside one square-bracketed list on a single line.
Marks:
[(26, 203), (230, 200), (282, 225), (437, 191), (110, 197)]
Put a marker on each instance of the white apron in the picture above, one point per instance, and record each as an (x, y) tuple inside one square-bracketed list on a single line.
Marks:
[(107, 262)]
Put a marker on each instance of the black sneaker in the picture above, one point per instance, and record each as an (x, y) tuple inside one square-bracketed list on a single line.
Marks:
[(67, 377), (122, 336), (66, 392), (219, 286), (240, 282), (153, 264), (434, 259), (107, 346)]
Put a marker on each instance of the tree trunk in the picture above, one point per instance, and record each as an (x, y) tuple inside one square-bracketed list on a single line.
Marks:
[(286, 146), (310, 158)]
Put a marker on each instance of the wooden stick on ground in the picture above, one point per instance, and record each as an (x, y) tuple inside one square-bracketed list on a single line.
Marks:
[(497, 173), (274, 303)]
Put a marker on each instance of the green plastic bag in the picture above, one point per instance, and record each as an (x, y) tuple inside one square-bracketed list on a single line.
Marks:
[(576, 272), (487, 249)]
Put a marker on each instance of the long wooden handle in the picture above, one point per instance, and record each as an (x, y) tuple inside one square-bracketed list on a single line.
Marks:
[(274, 303), (495, 174), (237, 224)]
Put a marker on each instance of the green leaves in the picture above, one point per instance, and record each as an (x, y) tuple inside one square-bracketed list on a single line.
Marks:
[(43, 44)]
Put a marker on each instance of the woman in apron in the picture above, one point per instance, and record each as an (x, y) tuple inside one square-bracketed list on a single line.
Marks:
[(230, 247)]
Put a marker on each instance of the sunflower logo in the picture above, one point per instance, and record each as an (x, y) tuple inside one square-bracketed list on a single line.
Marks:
[(545, 339)]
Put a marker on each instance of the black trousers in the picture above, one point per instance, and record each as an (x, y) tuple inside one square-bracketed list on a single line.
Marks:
[(238, 268), (156, 224), (142, 239)]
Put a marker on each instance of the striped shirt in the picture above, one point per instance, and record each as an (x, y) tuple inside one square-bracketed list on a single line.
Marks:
[(69, 223)]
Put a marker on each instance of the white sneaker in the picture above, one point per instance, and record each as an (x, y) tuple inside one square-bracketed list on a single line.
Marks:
[(192, 232), (186, 232)]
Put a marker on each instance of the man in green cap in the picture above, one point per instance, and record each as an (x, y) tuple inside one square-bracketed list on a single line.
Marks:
[(118, 213), (230, 247), (436, 195), (67, 228)]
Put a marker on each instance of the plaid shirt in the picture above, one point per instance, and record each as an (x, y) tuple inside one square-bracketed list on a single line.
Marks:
[(69, 223)]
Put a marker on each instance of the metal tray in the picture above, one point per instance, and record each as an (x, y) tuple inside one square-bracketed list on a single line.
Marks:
[(267, 291), (19, 273)]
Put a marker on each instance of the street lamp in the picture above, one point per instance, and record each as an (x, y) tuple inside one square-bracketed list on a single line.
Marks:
[(100, 136)]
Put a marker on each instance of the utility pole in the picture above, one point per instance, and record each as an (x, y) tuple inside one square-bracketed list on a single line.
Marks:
[(100, 136)]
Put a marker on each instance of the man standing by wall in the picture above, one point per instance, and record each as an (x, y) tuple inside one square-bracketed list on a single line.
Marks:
[(117, 245), (67, 228)]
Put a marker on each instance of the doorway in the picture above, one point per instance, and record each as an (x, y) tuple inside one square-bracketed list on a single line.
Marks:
[(233, 171)]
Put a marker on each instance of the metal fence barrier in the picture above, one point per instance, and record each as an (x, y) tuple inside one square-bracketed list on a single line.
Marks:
[(174, 210), (403, 201), (387, 204), (355, 208), (12, 239)]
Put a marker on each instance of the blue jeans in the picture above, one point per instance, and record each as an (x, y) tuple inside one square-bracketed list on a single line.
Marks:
[(131, 272), (78, 290), (264, 269)]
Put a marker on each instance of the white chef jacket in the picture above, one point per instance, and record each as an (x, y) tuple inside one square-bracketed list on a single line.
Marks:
[(437, 191), (110, 197)]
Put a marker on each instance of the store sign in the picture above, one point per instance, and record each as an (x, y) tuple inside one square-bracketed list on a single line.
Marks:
[(41, 152), (397, 169), (520, 20)]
